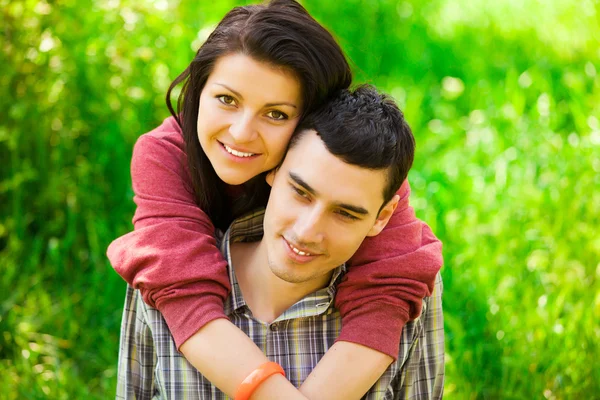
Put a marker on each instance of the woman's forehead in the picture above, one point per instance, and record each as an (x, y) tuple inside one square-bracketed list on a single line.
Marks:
[(250, 77)]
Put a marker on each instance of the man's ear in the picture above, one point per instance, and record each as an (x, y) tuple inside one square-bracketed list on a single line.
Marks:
[(271, 176), (384, 216)]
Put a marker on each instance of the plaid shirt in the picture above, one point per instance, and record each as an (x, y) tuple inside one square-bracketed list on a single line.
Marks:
[(150, 367)]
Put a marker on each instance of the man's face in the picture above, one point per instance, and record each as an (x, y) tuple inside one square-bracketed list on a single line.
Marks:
[(319, 212)]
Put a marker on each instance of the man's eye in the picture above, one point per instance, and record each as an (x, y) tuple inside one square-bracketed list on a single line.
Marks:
[(346, 215), (300, 192), (226, 99), (277, 115)]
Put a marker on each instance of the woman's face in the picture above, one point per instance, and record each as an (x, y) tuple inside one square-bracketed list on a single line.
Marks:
[(247, 113)]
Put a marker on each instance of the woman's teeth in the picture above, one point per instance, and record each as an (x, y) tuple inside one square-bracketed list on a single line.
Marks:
[(237, 153)]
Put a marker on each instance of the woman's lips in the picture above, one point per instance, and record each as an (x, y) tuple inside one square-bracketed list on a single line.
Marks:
[(238, 154)]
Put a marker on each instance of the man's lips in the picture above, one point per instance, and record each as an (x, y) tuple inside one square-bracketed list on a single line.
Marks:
[(296, 255), (300, 250)]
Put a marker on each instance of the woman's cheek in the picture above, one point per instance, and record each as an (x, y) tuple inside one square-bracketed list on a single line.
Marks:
[(284, 138), (277, 146)]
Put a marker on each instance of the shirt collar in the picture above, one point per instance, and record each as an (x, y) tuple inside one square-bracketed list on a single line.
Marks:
[(249, 228)]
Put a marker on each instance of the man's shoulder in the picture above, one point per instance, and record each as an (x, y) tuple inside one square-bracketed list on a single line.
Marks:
[(247, 228), (419, 368)]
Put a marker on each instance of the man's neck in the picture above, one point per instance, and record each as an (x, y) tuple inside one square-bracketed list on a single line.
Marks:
[(266, 295)]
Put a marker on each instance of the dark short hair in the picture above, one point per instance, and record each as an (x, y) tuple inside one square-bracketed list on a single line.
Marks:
[(280, 33), (364, 127)]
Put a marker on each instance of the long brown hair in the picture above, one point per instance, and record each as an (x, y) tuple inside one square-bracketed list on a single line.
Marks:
[(281, 33)]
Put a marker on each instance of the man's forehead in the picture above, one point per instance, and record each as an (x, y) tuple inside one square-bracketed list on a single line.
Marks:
[(310, 162)]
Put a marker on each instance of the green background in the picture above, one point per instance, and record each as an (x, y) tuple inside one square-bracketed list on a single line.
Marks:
[(504, 100)]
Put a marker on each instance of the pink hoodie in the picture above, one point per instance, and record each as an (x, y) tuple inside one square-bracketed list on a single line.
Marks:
[(172, 258)]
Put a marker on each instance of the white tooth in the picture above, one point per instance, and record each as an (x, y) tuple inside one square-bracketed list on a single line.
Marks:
[(300, 252), (237, 153)]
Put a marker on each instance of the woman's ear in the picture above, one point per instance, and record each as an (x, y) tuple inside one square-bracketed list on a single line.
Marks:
[(384, 216), (271, 176)]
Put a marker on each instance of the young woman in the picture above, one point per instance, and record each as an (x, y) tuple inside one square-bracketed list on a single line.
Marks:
[(259, 72)]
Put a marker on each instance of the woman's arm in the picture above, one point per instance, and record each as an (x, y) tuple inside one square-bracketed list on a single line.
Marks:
[(387, 279), (226, 356), (346, 371), (172, 258)]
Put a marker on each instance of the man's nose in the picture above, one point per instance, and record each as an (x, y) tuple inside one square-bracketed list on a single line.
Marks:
[(309, 227), (242, 128)]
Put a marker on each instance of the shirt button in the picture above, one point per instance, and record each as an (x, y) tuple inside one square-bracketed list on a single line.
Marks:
[(274, 327)]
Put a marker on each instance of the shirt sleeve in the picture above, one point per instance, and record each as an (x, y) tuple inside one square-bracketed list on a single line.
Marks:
[(387, 279), (171, 256), (418, 373), (422, 376), (137, 358), (431, 365)]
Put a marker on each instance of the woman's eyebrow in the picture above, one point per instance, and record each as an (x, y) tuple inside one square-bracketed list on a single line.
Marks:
[(281, 104), (238, 94)]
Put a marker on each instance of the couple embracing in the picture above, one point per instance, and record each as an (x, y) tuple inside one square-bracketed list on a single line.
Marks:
[(275, 255)]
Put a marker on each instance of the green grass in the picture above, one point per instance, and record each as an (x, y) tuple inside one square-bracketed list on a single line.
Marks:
[(504, 100)]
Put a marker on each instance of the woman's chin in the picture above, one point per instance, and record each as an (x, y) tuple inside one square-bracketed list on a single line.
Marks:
[(234, 179)]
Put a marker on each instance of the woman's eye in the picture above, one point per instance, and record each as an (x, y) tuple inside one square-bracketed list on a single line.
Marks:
[(227, 100), (277, 115)]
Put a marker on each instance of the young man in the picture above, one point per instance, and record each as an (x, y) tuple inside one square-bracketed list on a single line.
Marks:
[(335, 187)]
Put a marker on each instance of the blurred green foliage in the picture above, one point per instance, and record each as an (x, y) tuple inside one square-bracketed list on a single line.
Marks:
[(503, 97)]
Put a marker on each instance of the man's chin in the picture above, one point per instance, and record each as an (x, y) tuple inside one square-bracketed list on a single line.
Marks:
[(287, 274)]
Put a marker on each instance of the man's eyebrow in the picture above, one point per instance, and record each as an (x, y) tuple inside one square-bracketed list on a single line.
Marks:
[(238, 94), (301, 182), (355, 209)]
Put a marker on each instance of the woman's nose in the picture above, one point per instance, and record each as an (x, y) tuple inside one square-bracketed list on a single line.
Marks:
[(242, 129)]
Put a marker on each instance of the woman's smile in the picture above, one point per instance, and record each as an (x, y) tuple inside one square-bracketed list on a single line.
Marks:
[(239, 153), (243, 129)]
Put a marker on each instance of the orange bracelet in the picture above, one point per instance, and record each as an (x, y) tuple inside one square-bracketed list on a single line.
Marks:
[(256, 377)]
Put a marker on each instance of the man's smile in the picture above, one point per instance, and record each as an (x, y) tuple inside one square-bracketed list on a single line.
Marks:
[(299, 254)]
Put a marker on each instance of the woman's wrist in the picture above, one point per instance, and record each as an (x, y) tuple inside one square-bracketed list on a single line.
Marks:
[(256, 378), (277, 387)]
